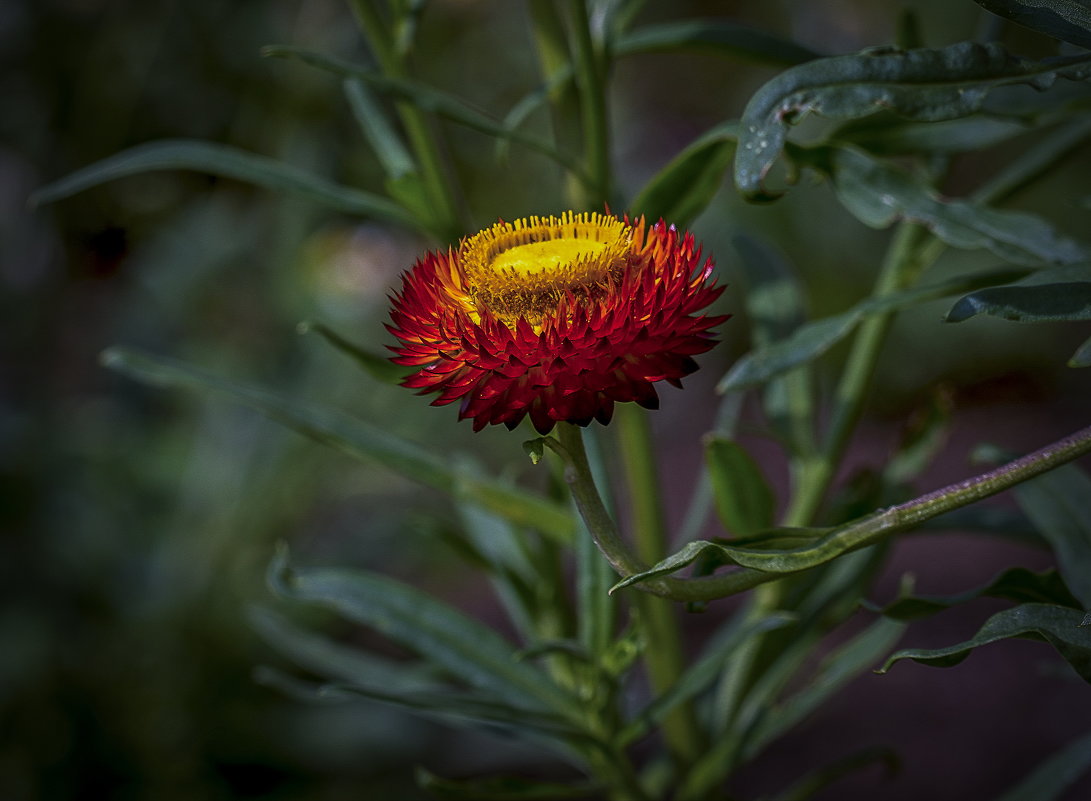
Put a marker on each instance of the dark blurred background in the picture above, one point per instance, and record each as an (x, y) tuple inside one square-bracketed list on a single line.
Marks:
[(137, 523)]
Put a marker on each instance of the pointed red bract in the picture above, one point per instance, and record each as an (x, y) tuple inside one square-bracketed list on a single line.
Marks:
[(605, 343)]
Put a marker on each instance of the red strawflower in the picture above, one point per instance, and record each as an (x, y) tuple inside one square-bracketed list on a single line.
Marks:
[(556, 317)]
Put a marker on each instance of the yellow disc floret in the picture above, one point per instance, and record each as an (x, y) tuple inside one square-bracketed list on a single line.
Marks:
[(523, 268)]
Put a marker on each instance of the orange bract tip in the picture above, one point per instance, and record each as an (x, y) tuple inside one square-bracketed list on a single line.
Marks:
[(554, 317)]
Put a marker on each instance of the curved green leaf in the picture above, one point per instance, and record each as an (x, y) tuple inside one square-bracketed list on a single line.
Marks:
[(1016, 584), (1059, 294), (230, 162), (813, 339), (1057, 625), (685, 186), (356, 438), (805, 345), (786, 551), (878, 193), (715, 35), (1067, 20), (923, 84), (1027, 304)]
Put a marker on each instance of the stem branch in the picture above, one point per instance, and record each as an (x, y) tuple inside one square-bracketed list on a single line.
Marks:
[(860, 533)]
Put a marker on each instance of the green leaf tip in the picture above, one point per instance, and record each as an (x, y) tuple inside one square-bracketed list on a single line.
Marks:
[(535, 449)]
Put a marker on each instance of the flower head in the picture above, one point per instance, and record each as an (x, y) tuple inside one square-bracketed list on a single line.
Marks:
[(555, 317)]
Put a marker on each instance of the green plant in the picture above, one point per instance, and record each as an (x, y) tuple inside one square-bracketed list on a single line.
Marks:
[(898, 120)]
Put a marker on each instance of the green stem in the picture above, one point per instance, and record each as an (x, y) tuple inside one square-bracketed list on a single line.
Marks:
[(591, 80), (901, 262), (616, 771), (437, 185), (638, 458), (663, 652), (577, 474), (555, 61), (852, 536)]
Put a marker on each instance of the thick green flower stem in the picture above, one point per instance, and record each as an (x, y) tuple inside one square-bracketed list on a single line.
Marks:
[(555, 63), (663, 651), (899, 266), (616, 772), (437, 184), (591, 80), (859, 533)]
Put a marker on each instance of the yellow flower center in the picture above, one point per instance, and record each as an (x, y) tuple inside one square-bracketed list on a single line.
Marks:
[(524, 268)]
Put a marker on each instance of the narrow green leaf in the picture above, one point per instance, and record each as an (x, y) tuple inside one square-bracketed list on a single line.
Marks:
[(1058, 294), (230, 162), (923, 84), (356, 438), (836, 670), (461, 646), (878, 193), (378, 367), (426, 98), (525, 107), (1015, 584), (1057, 625), (702, 672), (502, 789), (743, 497), (502, 547), (1067, 20), (1054, 775), (340, 663), (714, 35), (685, 186), (385, 141), (445, 705), (815, 338), (1035, 160), (805, 345), (1058, 503)]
